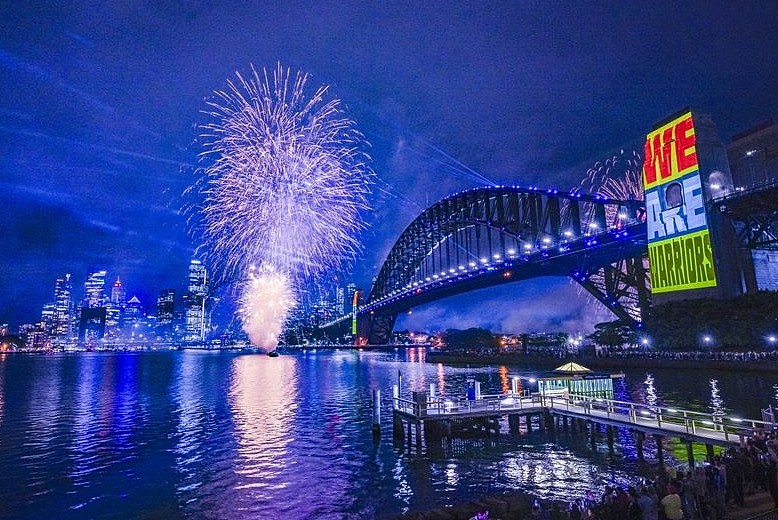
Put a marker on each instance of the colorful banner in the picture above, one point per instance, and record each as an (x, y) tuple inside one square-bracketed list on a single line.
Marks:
[(679, 248), (354, 310)]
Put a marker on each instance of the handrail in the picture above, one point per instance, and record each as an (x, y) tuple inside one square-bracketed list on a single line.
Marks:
[(644, 414), (711, 425)]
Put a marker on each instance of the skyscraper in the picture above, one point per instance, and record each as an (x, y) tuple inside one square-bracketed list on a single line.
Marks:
[(118, 292), (165, 313), (133, 323), (91, 324), (114, 310), (195, 300), (48, 318), (63, 309), (340, 301), (94, 290)]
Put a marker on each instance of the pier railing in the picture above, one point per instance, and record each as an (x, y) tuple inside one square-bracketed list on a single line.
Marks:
[(438, 406), (719, 427), (729, 428)]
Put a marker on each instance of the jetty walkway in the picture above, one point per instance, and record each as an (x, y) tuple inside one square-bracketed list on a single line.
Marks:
[(422, 417)]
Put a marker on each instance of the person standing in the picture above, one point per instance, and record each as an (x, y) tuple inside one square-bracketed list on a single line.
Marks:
[(647, 501), (671, 503)]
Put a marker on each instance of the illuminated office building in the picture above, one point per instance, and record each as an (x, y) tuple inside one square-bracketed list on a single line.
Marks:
[(133, 323), (94, 290), (195, 301), (118, 293), (63, 308), (165, 313)]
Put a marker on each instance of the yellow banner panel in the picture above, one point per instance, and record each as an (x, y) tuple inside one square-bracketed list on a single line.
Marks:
[(681, 263)]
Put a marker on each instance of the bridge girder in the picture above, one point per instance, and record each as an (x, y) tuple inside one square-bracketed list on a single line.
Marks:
[(624, 287), (753, 215), (478, 226), (521, 231)]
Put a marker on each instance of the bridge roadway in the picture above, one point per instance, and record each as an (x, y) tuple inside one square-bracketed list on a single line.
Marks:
[(690, 426)]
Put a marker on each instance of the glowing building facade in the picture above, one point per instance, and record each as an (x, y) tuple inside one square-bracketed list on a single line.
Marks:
[(165, 313), (195, 301), (63, 309), (94, 290)]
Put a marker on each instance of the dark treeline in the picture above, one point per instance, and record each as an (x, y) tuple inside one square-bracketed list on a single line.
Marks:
[(473, 339), (746, 322)]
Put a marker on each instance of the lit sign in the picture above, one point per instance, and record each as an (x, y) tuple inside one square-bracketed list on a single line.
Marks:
[(679, 247), (354, 309)]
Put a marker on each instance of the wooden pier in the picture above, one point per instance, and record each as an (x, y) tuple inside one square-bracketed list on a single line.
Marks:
[(423, 417)]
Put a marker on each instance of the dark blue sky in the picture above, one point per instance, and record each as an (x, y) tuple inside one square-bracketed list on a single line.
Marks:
[(100, 100)]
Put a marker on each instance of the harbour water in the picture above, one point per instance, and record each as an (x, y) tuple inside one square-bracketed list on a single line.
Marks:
[(201, 434)]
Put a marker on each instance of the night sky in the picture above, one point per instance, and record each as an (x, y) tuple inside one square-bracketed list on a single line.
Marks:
[(100, 102)]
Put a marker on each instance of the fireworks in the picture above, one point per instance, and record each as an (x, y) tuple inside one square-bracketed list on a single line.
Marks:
[(282, 184), (619, 177), (265, 302)]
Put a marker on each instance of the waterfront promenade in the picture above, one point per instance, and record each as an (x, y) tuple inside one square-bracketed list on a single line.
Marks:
[(693, 360)]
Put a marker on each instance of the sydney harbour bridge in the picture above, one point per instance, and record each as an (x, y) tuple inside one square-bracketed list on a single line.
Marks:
[(496, 235)]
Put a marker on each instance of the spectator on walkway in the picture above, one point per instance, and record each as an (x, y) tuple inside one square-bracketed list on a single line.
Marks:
[(648, 504), (671, 503)]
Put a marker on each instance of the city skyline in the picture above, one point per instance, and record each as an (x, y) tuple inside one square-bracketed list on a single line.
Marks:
[(98, 118)]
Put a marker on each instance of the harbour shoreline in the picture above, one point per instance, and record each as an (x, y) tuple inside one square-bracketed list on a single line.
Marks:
[(602, 363)]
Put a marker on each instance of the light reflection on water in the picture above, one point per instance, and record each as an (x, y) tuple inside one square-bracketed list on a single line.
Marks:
[(716, 402), (651, 398), (223, 435)]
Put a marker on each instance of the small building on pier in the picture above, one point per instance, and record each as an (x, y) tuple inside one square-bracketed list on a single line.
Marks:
[(574, 379)]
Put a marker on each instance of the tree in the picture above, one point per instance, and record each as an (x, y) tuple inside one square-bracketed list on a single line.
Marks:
[(613, 334), (473, 339)]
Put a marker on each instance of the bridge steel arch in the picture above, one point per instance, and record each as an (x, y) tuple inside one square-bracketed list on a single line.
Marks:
[(488, 236)]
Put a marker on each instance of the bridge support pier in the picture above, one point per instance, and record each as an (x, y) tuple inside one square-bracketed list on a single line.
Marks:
[(397, 428), (549, 420), (376, 412), (639, 438), (609, 430), (659, 454), (709, 453), (514, 426), (593, 434), (690, 454), (565, 423)]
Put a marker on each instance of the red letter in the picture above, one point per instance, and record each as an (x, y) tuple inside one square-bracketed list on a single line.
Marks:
[(649, 170), (685, 139), (665, 165)]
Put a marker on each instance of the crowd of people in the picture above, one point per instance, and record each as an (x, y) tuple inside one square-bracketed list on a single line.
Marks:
[(693, 355), (707, 492), (704, 493)]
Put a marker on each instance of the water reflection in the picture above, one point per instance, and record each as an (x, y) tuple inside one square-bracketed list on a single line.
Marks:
[(263, 410), (3, 357), (219, 435), (441, 379), (716, 402), (505, 384), (650, 398)]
